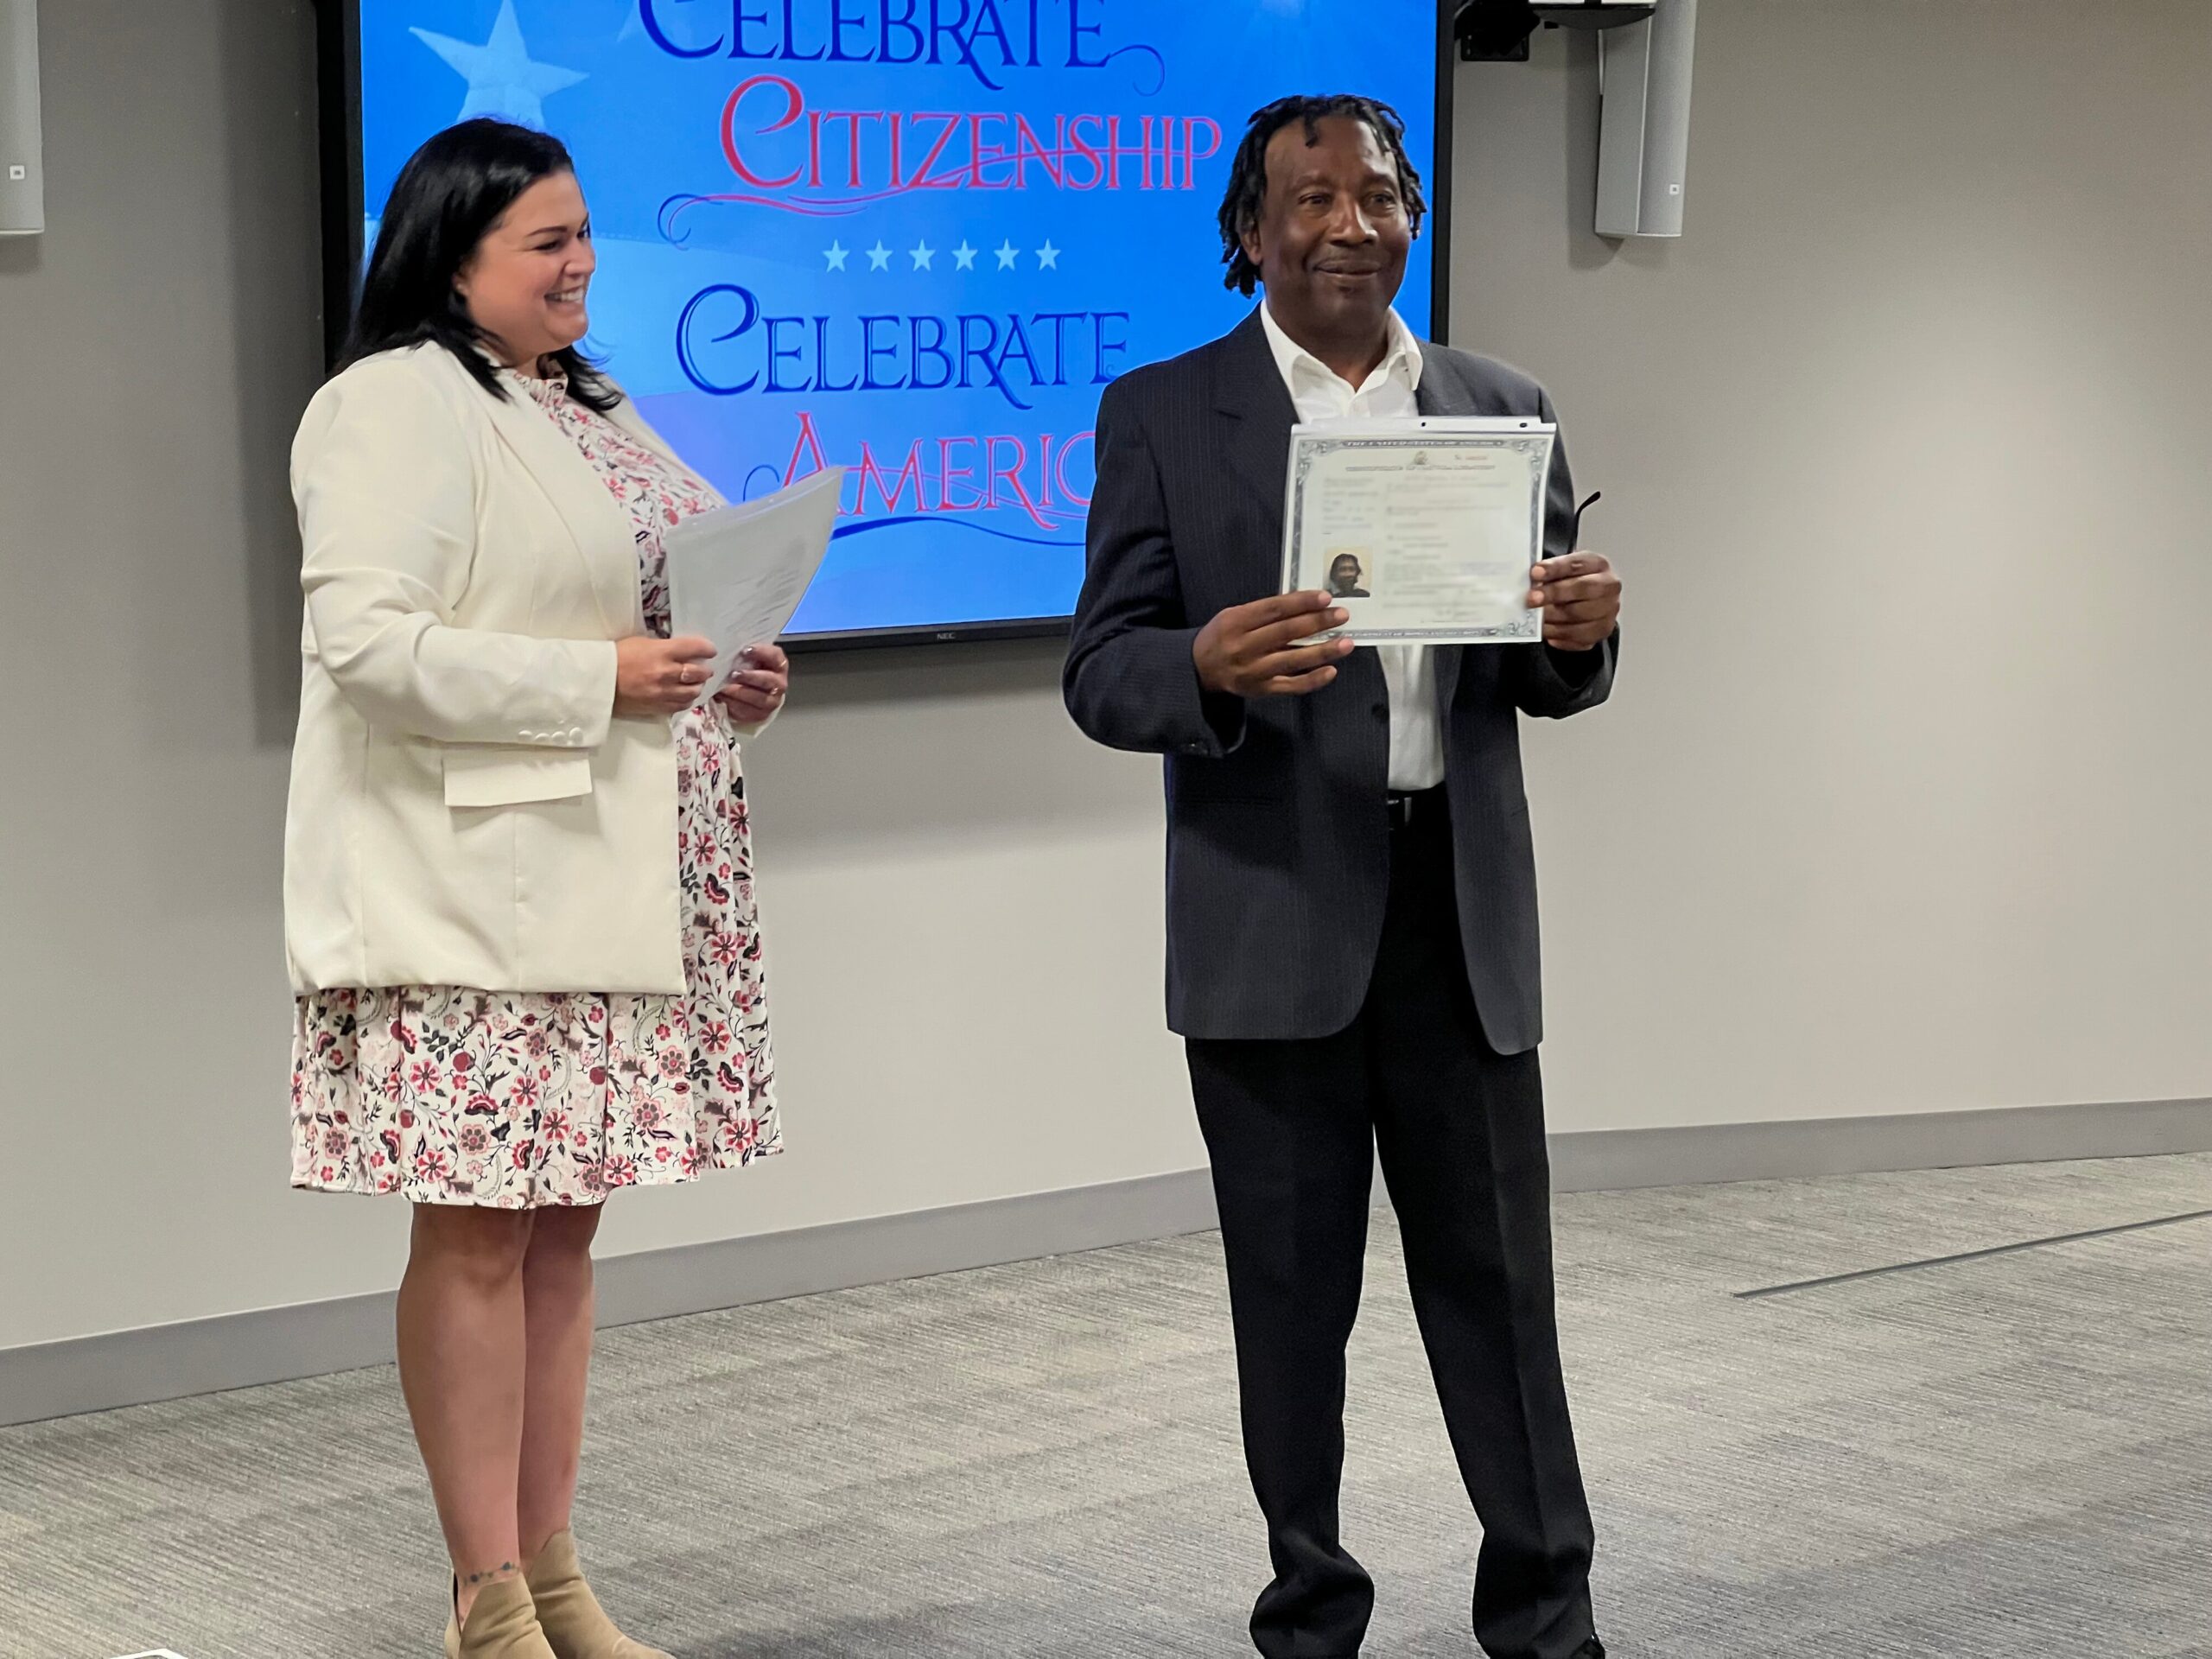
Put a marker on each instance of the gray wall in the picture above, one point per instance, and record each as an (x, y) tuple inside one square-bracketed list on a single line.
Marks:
[(1901, 806), (1903, 803)]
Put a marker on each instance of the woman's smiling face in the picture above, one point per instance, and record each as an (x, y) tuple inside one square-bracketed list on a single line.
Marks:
[(526, 283)]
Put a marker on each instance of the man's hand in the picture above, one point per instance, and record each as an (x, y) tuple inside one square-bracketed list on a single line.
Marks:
[(1252, 650), (1580, 598)]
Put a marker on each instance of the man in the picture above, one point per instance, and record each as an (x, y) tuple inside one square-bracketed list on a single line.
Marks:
[(1350, 889), (1344, 577)]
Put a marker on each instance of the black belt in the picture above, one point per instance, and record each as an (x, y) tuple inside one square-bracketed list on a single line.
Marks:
[(1417, 806)]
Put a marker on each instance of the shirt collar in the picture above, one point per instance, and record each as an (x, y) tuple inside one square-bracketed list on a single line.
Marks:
[(1401, 362)]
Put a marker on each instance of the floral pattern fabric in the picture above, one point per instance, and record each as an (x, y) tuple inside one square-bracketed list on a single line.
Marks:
[(515, 1099)]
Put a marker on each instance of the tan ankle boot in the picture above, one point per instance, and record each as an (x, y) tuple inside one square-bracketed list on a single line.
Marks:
[(575, 1625), (502, 1624)]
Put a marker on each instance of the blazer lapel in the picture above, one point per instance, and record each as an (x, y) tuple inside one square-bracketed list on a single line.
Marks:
[(1249, 390), (599, 533), (626, 416), (1440, 394)]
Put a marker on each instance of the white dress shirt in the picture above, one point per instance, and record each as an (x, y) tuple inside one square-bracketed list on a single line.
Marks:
[(1321, 394)]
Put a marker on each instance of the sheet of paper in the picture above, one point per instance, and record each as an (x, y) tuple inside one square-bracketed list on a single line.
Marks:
[(1423, 529), (736, 575)]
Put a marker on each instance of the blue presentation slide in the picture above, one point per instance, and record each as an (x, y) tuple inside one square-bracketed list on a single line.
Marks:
[(910, 238)]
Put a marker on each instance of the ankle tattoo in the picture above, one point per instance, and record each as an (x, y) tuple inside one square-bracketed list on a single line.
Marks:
[(492, 1575)]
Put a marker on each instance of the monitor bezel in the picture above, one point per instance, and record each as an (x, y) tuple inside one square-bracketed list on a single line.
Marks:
[(338, 77)]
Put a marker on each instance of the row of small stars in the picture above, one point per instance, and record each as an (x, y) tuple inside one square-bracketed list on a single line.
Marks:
[(963, 256)]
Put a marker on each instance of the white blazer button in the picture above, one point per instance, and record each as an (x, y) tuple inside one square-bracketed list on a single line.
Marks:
[(576, 734)]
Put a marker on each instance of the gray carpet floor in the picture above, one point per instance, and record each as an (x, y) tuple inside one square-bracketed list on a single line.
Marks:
[(2005, 1456)]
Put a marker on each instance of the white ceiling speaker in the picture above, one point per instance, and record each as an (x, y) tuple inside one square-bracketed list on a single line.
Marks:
[(1643, 142), (22, 172)]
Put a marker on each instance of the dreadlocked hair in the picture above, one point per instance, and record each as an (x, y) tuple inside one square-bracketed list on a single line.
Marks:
[(1246, 198)]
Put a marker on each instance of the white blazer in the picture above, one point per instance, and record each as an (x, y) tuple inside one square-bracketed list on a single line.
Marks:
[(465, 809)]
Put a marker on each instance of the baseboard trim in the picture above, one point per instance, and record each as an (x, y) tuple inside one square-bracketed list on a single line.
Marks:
[(277, 1344), (167, 1362), (1616, 1160)]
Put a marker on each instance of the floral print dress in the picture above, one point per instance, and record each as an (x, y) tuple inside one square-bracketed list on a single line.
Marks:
[(515, 1099)]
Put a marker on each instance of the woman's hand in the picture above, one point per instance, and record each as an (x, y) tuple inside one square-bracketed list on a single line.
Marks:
[(658, 677), (756, 691)]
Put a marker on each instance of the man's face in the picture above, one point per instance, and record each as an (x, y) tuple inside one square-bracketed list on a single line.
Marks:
[(1333, 234), (1344, 573)]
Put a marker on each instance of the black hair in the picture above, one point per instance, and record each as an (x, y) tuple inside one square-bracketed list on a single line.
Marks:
[(451, 194), (1246, 195)]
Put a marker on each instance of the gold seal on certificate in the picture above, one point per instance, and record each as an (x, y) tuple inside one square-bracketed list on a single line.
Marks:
[(1424, 530)]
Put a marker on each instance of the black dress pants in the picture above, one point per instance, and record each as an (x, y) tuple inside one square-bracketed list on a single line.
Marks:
[(1293, 1128)]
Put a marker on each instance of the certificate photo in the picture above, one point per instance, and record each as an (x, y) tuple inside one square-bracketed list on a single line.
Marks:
[(1351, 573), (1424, 530)]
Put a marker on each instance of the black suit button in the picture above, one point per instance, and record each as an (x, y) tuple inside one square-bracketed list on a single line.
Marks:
[(1382, 711)]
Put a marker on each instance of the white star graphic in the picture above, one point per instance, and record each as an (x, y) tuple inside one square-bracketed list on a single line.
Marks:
[(834, 254), (502, 79), (1048, 257), (921, 254), (963, 256), (879, 256), (1008, 254)]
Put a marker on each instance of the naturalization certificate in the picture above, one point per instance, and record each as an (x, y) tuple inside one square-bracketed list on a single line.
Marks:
[(1425, 530)]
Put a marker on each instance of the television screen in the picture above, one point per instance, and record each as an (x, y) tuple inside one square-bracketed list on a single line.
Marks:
[(914, 238)]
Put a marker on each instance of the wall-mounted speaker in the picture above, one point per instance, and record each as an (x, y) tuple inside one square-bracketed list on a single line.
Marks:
[(1643, 143), (22, 170)]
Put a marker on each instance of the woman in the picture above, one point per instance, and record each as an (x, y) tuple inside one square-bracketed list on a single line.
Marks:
[(518, 881)]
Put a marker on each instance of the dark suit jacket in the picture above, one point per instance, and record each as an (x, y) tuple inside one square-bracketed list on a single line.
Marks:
[(1278, 834)]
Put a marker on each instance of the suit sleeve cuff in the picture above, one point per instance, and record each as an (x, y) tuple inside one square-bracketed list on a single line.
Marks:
[(1224, 720), (1220, 725), (593, 713), (1574, 669)]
